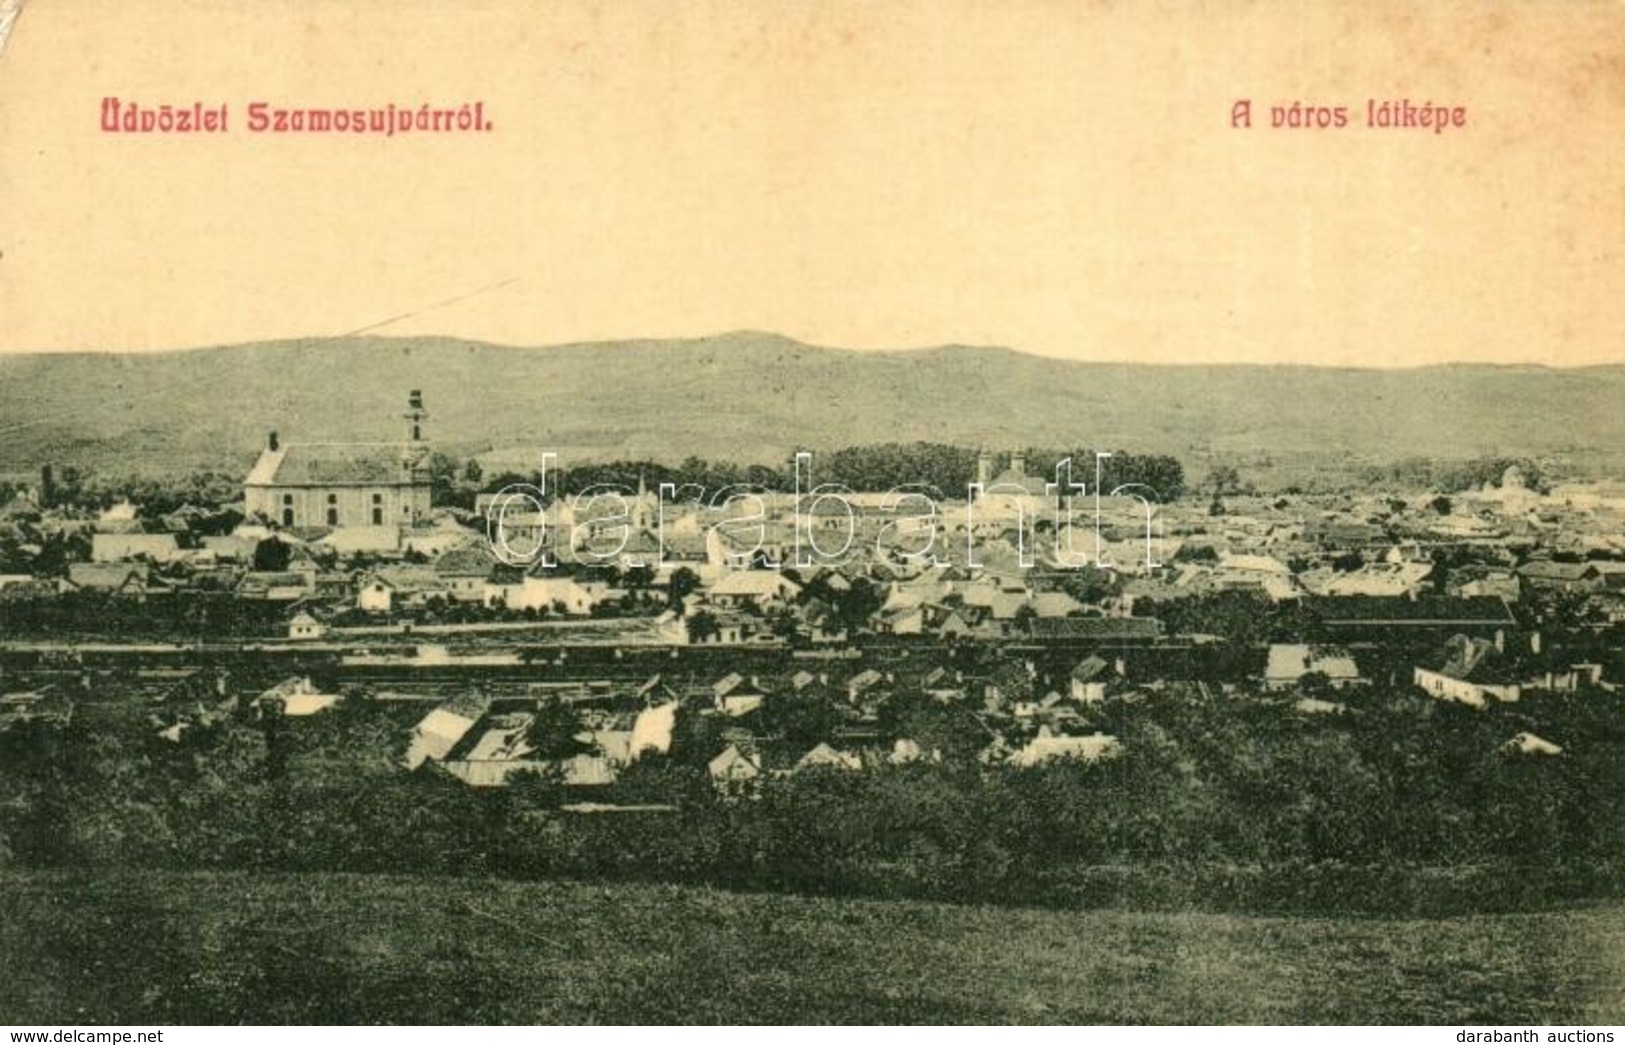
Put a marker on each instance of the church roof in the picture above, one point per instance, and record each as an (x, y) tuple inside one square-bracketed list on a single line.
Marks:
[(334, 464)]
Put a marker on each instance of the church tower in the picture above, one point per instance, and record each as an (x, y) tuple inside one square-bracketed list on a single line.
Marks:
[(416, 414), (984, 466), (415, 454)]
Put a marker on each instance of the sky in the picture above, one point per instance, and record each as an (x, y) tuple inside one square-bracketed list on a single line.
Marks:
[(1057, 177)]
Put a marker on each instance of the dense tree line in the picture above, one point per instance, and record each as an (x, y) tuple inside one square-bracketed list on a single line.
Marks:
[(1402, 805), (944, 468), (1157, 477), (178, 617), (1448, 476)]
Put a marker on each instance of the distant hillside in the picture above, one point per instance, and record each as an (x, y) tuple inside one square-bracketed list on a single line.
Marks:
[(756, 396)]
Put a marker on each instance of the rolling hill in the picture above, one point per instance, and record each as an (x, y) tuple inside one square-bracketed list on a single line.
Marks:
[(754, 397)]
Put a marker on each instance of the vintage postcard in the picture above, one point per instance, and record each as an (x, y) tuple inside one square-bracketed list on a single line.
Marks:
[(740, 512)]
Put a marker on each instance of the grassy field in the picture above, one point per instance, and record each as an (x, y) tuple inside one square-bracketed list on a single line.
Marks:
[(185, 948)]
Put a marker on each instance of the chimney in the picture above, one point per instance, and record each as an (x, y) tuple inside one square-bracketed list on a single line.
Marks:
[(1018, 462), (271, 443), (984, 467)]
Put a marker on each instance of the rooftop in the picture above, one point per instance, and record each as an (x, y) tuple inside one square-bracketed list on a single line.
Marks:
[(336, 464)]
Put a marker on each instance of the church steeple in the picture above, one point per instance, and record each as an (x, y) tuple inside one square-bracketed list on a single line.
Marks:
[(416, 414)]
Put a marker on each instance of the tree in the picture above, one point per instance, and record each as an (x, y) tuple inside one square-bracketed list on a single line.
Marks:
[(552, 731), (701, 626), (442, 479), (272, 555), (1224, 480), (683, 582), (804, 718), (861, 600)]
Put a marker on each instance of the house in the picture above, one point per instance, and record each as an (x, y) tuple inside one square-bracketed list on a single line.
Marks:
[(333, 586), (1115, 630), (825, 757), (497, 755), (656, 690), (295, 698), (998, 602), (901, 620), (733, 769), (305, 628), (1494, 584), (1342, 532), (1007, 685), (958, 622), (652, 730), (552, 592), (640, 548), (343, 484), (736, 695), (759, 589), (1378, 615), (182, 519), (434, 538), (1530, 744), (1289, 662), (118, 518), (349, 541), (1047, 746), (465, 571), (438, 734), (280, 586), (392, 588), (1562, 576), (1469, 671), (1088, 680), (731, 628), (229, 548), (113, 578), (820, 620), (125, 547), (1056, 604), (588, 771), (615, 745), (1259, 565), (1386, 580), (864, 683), (520, 535)]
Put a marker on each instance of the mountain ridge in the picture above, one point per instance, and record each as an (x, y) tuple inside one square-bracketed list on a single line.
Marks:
[(756, 396)]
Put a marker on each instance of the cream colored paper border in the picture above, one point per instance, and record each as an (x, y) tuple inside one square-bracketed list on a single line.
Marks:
[(1057, 177)]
